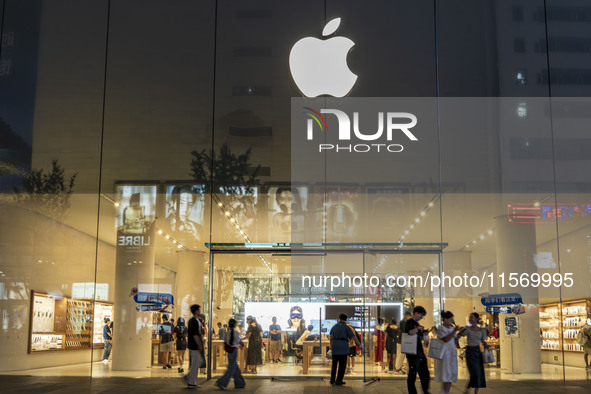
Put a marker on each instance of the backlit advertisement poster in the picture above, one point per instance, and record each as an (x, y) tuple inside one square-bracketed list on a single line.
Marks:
[(334, 212), (287, 208), (137, 211), (291, 315), (184, 213)]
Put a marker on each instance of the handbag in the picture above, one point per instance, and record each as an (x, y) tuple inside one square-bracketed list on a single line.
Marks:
[(488, 356), (408, 344), (436, 348), (228, 348)]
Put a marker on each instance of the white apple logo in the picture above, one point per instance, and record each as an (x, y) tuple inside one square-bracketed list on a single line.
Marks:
[(319, 67)]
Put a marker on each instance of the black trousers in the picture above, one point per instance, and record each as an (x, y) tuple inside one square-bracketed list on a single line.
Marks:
[(341, 361), (417, 364)]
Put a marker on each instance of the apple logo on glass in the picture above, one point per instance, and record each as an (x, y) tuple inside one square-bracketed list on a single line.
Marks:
[(319, 67)]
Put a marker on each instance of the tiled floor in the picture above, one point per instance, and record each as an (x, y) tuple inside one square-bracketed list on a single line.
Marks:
[(71, 385), (289, 369)]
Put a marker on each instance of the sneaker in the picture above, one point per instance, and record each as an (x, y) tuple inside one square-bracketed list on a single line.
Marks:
[(340, 383), (278, 361), (193, 386), (105, 361), (168, 366), (219, 386), (332, 382), (164, 367), (239, 387)]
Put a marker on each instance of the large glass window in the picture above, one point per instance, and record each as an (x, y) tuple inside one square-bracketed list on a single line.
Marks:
[(157, 156)]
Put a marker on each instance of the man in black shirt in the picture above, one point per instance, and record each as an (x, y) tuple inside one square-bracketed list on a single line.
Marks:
[(418, 362), (195, 345)]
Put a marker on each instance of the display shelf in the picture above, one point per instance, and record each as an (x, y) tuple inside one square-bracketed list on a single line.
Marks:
[(559, 328), (102, 309), (58, 323)]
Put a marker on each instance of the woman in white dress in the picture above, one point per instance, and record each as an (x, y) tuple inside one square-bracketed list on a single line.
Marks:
[(446, 369)]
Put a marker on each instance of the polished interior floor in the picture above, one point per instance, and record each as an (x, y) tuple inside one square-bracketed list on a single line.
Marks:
[(289, 369)]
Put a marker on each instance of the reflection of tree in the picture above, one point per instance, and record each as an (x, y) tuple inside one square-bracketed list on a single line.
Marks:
[(257, 289), (14, 152), (224, 172), (47, 192), (230, 179)]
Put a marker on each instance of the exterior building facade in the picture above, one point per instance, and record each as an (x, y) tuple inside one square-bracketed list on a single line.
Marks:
[(157, 155)]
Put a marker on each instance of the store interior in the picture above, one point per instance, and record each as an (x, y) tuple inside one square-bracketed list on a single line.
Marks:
[(63, 316)]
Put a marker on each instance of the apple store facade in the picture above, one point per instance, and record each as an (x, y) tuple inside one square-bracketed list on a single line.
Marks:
[(295, 160)]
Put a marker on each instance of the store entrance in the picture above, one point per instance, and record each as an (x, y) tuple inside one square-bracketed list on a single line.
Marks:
[(303, 290)]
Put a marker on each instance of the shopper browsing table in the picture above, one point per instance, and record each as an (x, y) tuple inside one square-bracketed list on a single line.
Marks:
[(340, 334), (254, 354), (108, 338)]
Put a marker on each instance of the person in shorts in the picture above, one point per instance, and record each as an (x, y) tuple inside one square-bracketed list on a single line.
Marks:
[(275, 336), (166, 341), (352, 350), (180, 332)]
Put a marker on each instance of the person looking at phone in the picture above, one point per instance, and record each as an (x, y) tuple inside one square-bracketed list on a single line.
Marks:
[(417, 363)]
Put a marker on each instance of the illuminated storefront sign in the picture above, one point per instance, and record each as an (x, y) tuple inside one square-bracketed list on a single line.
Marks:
[(536, 212), (319, 67)]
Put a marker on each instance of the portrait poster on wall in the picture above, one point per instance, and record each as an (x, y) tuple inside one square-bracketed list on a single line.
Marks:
[(184, 213)]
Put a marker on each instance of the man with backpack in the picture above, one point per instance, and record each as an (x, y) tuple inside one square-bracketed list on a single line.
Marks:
[(584, 339)]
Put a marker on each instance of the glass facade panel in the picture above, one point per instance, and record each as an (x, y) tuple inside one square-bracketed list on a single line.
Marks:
[(292, 161)]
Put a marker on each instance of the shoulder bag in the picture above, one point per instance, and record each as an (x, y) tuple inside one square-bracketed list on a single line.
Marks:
[(228, 348)]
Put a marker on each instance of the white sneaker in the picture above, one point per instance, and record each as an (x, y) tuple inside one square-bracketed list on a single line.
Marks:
[(105, 361)]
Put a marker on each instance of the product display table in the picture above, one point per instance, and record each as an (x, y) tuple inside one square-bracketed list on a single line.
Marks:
[(217, 353), (308, 350)]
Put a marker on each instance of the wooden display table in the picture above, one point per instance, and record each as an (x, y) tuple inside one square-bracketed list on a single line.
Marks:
[(308, 348), (217, 354)]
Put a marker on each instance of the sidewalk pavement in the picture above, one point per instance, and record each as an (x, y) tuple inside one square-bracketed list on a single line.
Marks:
[(66, 385)]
